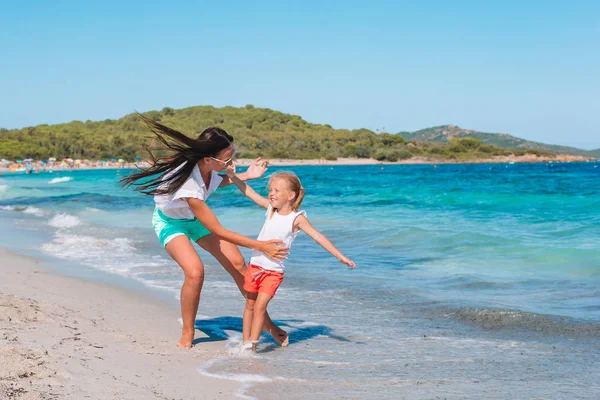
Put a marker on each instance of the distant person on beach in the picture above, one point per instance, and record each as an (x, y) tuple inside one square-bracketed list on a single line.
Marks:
[(180, 182), (283, 222)]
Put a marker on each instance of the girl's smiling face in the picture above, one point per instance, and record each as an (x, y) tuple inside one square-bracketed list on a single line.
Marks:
[(280, 194)]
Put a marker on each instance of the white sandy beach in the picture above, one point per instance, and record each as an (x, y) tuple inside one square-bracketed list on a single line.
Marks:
[(66, 338)]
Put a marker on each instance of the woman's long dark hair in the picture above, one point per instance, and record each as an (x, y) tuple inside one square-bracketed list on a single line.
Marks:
[(184, 152)]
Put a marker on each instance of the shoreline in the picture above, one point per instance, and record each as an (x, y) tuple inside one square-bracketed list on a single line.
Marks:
[(528, 158), (65, 337)]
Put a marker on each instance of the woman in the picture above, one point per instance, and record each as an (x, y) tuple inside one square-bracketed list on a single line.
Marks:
[(180, 182)]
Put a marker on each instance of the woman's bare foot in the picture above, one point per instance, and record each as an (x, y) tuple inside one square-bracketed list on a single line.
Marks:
[(187, 337), (280, 337)]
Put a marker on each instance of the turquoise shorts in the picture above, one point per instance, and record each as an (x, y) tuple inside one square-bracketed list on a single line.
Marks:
[(167, 228)]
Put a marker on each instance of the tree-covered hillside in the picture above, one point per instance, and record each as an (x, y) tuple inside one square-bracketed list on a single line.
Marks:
[(444, 133), (257, 131)]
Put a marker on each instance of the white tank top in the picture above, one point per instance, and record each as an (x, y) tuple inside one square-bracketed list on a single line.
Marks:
[(280, 227)]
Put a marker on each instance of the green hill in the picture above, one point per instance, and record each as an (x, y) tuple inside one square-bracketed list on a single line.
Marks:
[(257, 132), (593, 153), (445, 133)]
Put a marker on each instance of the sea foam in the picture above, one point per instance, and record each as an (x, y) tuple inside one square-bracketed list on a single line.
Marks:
[(59, 180), (33, 211), (64, 220), (242, 378), (67, 245), (24, 209), (114, 255), (246, 380)]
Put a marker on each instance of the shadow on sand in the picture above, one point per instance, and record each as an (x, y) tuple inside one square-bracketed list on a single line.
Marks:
[(216, 329)]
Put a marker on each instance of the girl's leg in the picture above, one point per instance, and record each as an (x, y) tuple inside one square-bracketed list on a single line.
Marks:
[(249, 315), (182, 251), (258, 320), (229, 256)]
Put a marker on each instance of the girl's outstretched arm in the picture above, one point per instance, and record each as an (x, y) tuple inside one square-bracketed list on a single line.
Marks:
[(255, 170), (204, 214), (247, 190), (301, 222)]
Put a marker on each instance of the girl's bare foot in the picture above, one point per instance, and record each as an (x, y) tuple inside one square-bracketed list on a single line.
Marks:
[(187, 337), (250, 345)]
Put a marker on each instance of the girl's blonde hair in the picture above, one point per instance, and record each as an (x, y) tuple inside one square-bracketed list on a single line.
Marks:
[(293, 184)]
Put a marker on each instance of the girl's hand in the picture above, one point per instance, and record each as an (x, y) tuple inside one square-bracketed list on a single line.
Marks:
[(274, 249), (257, 168), (347, 261), (230, 170)]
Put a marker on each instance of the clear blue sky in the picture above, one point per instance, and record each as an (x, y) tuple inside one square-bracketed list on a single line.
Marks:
[(528, 68)]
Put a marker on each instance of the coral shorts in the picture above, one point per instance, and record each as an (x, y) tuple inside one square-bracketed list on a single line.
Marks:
[(259, 280)]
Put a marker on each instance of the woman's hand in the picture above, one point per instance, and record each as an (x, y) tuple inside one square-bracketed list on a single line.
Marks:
[(230, 170), (257, 168), (274, 249)]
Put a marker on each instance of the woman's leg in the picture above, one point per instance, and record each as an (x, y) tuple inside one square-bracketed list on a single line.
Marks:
[(229, 256), (258, 318), (181, 250)]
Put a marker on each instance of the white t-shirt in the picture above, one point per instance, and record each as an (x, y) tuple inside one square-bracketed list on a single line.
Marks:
[(280, 227), (175, 205)]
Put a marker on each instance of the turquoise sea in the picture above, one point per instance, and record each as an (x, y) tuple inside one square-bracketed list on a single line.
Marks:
[(473, 281)]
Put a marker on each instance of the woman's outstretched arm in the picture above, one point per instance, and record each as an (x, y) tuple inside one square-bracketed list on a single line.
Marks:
[(205, 215)]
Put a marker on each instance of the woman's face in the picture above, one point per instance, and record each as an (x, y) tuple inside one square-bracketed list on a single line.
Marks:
[(223, 159)]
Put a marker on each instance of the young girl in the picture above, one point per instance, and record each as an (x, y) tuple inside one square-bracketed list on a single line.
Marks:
[(283, 221), (180, 182)]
